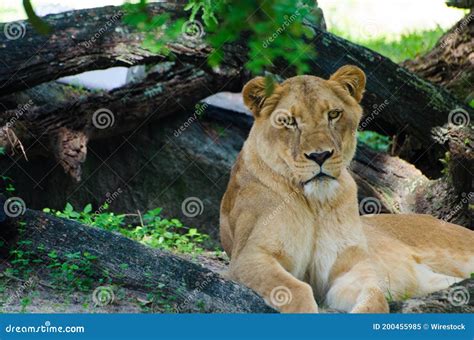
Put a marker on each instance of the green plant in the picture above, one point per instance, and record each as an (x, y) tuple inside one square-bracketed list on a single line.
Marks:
[(374, 140), (75, 271), (445, 162), (274, 29), (153, 230)]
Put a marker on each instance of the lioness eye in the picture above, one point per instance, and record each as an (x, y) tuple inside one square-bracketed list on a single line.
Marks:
[(334, 114)]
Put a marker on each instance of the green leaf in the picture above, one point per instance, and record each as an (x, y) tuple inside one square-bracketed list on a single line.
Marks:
[(87, 208)]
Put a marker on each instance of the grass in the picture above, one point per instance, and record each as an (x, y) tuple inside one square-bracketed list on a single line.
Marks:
[(406, 46)]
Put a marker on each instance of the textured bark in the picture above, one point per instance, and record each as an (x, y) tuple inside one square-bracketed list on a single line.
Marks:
[(458, 298), (190, 287), (397, 103), (450, 63), (81, 40), (189, 155), (168, 88)]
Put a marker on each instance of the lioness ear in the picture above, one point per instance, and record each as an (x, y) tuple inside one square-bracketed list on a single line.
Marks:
[(254, 94), (352, 78)]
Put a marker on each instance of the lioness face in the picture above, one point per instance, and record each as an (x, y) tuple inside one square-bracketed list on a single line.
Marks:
[(306, 127)]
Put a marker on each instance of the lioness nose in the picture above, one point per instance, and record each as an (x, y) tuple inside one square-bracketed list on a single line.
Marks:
[(320, 157)]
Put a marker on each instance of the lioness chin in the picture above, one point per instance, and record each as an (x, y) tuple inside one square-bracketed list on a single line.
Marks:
[(290, 220)]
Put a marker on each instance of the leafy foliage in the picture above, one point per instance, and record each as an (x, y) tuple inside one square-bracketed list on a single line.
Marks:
[(274, 29), (374, 140), (70, 272), (153, 230)]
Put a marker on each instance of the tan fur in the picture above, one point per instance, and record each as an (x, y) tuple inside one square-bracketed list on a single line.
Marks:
[(296, 239)]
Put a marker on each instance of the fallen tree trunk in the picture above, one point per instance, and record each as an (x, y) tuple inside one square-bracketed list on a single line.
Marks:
[(449, 64), (190, 154), (179, 284), (187, 286), (81, 40), (66, 127), (397, 103)]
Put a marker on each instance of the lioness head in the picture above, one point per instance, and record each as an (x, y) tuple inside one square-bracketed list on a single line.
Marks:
[(305, 129)]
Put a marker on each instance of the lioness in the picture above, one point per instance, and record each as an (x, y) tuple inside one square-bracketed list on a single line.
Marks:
[(290, 219)]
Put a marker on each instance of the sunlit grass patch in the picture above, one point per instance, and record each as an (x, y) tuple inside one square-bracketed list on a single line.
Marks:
[(407, 46)]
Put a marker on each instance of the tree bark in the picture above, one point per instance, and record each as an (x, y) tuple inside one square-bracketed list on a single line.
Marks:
[(105, 114), (449, 64), (397, 102), (188, 286), (185, 286), (82, 40)]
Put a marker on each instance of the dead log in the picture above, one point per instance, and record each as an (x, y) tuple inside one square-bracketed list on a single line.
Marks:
[(80, 41), (190, 154), (397, 102), (188, 286), (168, 88), (183, 285), (449, 64)]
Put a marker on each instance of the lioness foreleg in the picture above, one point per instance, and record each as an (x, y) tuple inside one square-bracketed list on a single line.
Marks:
[(265, 275)]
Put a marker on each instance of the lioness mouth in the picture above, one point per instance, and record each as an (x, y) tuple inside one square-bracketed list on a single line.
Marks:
[(320, 175)]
